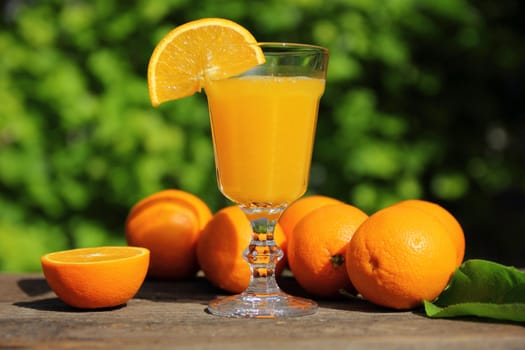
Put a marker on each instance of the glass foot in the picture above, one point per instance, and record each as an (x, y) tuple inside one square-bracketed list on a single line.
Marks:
[(262, 306)]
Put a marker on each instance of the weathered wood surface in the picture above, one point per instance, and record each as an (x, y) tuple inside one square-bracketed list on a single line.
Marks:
[(171, 315)]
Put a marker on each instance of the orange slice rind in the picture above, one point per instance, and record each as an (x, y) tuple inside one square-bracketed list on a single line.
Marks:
[(196, 52)]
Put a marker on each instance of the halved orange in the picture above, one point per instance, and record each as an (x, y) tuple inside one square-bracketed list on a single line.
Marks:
[(92, 278), (196, 52)]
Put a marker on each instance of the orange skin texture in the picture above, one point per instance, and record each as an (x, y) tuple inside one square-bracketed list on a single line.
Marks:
[(169, 224), (400, 256), (317, 247), (298, 209), (221, 246), (452, 225), (101, 284)]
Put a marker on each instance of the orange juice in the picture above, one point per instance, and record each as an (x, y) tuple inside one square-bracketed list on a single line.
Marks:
[(263, 132)]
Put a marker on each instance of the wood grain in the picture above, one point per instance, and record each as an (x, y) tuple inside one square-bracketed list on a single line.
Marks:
[(171, 315)]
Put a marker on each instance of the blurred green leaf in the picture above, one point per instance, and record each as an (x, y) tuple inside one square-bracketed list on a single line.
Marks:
[(21, 246), (422, 101), (375, 159), (449, 185), (34, 26)]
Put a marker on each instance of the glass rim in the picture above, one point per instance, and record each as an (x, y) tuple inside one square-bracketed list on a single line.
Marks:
[(294, 47)]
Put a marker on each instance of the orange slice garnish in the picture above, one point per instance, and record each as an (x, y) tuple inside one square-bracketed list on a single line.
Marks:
[(197, 52)]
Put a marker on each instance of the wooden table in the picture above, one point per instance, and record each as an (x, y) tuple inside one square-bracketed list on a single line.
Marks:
[(168, 315)]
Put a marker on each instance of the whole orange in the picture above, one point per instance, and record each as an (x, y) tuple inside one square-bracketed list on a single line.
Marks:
[(317, 246), (298, 209), (168, 223), (400, 256), (447, 219), (92, 278), (221, 246)]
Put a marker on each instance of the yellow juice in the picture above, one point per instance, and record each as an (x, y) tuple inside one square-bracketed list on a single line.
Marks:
[(263, 131)]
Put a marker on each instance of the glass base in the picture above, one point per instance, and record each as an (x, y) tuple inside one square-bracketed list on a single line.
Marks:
[(262, 306)]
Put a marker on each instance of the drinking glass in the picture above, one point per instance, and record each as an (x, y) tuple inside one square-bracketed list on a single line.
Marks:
[(263, 127)]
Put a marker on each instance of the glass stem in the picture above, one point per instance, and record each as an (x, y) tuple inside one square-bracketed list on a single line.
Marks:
[(262, 253)]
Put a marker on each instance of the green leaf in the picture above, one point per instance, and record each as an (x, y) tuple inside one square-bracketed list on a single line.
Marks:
[(484, 289)]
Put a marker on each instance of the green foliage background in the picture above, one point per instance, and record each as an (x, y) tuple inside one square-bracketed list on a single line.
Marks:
[(423, 100)]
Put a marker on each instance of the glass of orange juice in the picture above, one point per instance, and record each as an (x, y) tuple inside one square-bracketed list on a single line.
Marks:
[(263, 126)]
